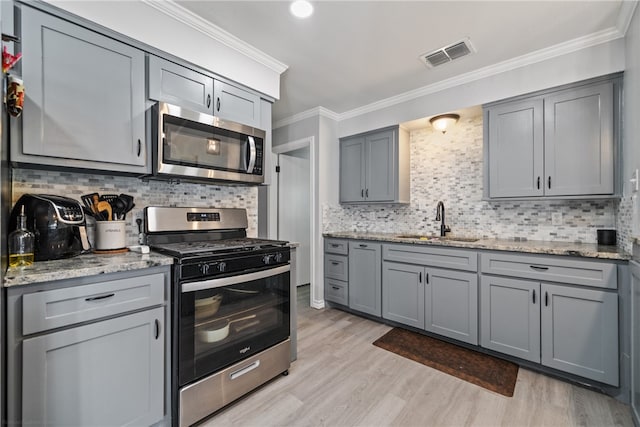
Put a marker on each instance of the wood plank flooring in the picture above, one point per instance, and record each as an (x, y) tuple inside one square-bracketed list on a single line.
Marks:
[(341, 379)]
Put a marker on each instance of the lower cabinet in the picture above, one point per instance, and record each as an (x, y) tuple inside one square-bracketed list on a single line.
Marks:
[(635, 341), (89, 351), (441, 301), (105, 373), (571, 329), (365, 277)]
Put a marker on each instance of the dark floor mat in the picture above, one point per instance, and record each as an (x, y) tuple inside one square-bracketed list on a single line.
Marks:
[(477, 368)]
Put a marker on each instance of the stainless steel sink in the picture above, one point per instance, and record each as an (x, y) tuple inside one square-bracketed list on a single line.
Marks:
[(415, 236), (459, 239)]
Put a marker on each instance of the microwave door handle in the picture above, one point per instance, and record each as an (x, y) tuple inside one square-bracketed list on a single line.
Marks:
[(252, 154)]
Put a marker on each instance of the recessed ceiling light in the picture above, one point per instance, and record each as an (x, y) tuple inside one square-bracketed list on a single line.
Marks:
[(301, 9)]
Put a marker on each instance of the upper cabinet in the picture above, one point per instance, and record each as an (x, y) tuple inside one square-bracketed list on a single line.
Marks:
[(179, 85), (556, 144), (374, 167), (85, 102), (235, 104)]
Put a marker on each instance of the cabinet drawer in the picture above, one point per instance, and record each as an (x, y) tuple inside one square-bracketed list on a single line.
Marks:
[(432, 256), (550, 268), (336, 267), (336, 291), (335, 246), (61, 307)]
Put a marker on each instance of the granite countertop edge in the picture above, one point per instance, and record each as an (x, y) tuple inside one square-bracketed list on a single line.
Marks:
[(585, 250), (82, 266)]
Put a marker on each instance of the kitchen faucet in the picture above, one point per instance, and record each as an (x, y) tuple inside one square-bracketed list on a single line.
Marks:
[(440, 216)]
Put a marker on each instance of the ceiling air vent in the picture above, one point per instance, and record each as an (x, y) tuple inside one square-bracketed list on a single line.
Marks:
[(447, 53)]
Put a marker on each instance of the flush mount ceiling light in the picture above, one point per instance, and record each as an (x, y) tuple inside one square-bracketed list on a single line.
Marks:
[(301, 9), (444, 121)]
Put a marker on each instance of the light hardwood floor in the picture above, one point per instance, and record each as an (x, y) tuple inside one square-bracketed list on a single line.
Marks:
[(341, 379)]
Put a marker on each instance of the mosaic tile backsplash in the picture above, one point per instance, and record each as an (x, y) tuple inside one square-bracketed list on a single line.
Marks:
[(448, 167), (146, 193)]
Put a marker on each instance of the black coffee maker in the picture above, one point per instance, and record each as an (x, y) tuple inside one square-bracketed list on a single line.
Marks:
[(57, 222)]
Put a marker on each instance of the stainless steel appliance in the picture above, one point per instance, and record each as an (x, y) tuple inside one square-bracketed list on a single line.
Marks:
[(195, 146), (231, 306), (57, 222)]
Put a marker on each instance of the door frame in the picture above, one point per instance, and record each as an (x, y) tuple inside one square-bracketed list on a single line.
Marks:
[(317, 294)]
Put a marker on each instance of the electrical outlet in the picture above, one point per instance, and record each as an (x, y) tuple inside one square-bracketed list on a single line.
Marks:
[(372, 216), (556, 218)]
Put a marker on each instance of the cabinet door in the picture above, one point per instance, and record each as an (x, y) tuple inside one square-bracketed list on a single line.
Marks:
[(635, 340), (451, 307), (403, 293), (579, 141), (352, 170), (236, 105), (516, 149), (179, 85), (85, 102), (380, 166), (106, 373), (579, 332), (510, 316), (365, 278)]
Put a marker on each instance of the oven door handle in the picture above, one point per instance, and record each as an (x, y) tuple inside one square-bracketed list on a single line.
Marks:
[(234, 280)]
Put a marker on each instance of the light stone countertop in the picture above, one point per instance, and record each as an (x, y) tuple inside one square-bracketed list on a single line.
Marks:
[(81, 266), (586, 250)]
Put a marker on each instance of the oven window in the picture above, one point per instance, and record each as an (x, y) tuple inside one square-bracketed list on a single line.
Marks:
[(221, 326), (194, 144)]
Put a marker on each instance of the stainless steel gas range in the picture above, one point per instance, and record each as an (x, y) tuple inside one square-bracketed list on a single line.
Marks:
[(230, 306)]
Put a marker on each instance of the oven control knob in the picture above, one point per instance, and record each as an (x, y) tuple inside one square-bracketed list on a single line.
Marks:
[(278, 257), (266, 259), (204, 268), (222, 267)]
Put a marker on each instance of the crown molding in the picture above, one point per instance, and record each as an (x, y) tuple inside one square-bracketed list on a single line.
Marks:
[(179, 13), (624, 16), (313, 112)]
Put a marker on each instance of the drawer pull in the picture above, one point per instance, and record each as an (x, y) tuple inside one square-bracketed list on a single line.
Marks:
[(101, 297), (245, 370), (335, 288), (335, 263), (539, 268), (362, 245), (335, 245)]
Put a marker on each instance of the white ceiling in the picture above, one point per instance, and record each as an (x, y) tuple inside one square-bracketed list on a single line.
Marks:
[(352, 53)]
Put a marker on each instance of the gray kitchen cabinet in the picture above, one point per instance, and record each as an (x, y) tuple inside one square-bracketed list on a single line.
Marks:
[(544, 309), (178, 85), (417, 293), (90, 351), (403, 292), (579, 332), (451, 306), (336, 271), (374, 167), (85, 102), (510, 316), (516, 149), (105, 373), (236, 104), (365, 277), (560, 143), (635, 341)]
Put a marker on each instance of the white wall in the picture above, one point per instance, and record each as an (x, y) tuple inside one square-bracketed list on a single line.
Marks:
[(145, 23), (590, 62), (630, 204)]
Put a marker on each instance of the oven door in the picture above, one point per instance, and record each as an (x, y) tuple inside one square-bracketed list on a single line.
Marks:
[(227, 319), (192, 144)]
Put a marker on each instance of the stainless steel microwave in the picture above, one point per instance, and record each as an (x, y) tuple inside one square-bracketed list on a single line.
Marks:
[(195, 146)]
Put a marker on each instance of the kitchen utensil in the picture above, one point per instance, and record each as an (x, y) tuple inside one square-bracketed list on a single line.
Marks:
[(105, 206), (87, 199), (128, 201), (218, 330), (206, 307)]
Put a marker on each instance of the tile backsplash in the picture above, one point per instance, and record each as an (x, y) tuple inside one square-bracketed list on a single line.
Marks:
[(145, 192), (448, 167)]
